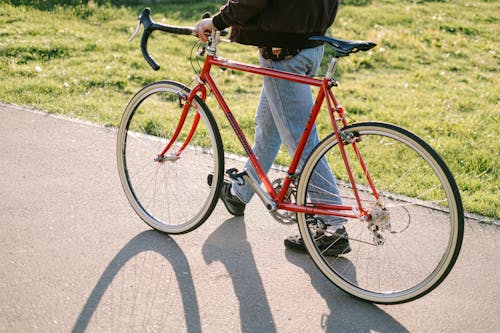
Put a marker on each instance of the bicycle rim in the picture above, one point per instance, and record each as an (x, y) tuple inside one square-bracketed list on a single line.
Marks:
[(410, 257), (171, 194)]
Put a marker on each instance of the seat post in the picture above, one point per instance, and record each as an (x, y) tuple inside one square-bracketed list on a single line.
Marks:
[(332, 67)]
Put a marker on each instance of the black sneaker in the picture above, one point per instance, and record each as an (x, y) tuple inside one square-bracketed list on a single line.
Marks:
[(232, 203), (329, 244)]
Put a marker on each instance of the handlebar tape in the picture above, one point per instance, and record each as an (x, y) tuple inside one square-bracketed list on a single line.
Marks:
[(149, 27)]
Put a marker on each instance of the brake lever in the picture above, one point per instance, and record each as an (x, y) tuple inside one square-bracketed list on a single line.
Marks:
[(137, 31)]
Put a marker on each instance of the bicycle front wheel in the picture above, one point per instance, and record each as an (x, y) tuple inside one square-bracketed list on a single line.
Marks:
[(411, 249), (168, 188)]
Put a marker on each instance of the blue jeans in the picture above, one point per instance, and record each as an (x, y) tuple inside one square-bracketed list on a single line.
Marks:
[(282, 113)]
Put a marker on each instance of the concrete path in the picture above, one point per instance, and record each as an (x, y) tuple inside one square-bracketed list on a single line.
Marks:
[(75, 257)]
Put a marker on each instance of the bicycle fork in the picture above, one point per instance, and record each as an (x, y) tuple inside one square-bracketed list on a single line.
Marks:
[(186, 103)]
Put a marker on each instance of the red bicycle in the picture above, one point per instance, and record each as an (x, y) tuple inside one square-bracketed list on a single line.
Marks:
[(403, 208)]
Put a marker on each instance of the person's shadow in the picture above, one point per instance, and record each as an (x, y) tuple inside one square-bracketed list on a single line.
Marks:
[(158, 243), (228, 244), (347, 314)]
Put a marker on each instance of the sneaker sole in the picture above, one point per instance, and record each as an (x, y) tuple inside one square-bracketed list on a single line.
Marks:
[(209, 182), (332, 252), (336, 253)]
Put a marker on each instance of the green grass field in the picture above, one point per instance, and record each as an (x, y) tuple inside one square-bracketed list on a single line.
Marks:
[(434, 71)]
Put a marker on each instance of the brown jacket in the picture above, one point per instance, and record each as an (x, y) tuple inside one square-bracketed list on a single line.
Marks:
[(276, 23)]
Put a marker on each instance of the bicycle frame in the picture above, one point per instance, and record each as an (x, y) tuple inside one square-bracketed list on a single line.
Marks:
[(324, 93)]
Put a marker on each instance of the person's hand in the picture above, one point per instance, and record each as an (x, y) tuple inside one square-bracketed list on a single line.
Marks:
[(203, 28)]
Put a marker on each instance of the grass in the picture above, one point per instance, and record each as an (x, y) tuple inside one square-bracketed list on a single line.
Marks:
[(434, 71)]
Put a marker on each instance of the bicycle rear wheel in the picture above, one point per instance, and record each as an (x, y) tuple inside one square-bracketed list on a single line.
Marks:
[(409, 255), (169, 191)]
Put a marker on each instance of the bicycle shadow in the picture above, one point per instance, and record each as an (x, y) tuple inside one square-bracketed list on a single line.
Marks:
[(347, 314), (228, 244), (144, 242)]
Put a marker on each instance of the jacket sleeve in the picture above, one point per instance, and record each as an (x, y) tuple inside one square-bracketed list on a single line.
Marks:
[(237, 12)]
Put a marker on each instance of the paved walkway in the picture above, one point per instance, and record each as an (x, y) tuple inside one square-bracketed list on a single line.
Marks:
[(75, 257)]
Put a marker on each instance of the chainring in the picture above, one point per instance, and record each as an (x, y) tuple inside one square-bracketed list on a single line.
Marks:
[(283, 216)]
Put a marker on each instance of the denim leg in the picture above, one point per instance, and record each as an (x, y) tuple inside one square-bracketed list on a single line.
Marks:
[(281, 117), (266, 146)]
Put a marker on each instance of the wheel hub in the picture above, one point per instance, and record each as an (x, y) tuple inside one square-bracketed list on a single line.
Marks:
[(379, 221)]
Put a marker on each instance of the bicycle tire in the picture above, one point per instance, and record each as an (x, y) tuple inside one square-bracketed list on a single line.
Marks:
[(171, 195), (426, 215)]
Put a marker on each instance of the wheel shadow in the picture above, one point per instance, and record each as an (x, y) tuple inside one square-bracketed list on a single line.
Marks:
[(144, 242), (228, 245), (347, 314)]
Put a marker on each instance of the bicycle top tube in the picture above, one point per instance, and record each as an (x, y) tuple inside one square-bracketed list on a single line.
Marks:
[(225, 63)]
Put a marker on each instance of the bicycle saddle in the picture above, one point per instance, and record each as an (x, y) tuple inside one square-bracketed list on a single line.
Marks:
[(342, 47)]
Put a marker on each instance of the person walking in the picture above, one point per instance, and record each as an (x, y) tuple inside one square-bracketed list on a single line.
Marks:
[(281, 30)]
